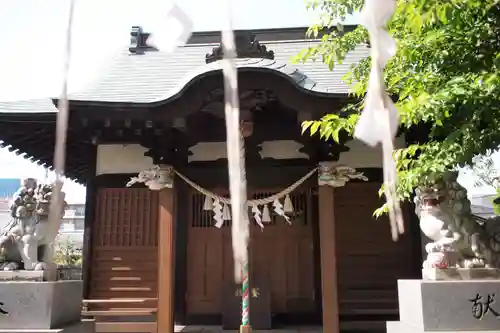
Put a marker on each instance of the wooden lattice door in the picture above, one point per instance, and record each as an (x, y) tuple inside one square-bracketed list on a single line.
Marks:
[(281, 257), (124, 247), (207, 259)]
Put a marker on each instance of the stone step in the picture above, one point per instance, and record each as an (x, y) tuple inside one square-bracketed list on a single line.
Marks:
[(399, 327), (364, 326)]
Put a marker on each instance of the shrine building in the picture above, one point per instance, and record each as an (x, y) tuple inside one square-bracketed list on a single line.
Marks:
[(153, 258)]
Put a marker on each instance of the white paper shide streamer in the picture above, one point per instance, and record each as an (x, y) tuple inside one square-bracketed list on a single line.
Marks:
[(172, 30), (379, 120)]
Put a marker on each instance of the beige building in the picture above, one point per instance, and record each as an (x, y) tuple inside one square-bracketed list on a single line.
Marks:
[(72, 225)]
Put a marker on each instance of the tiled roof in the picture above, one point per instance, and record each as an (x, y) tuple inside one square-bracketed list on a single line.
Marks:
[(155, 75), (42, 105)]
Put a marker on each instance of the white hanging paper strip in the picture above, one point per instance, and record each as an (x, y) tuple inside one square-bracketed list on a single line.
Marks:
[(257, 216), (288, 206), (278, 209), (172, 30), (371, 127), (379, 120), (266, 215), (208, 204), (219, 221), (226, 214)]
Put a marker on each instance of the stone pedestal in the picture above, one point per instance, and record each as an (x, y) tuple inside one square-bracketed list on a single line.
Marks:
[(447, 306), (41, 306), (453, 274)]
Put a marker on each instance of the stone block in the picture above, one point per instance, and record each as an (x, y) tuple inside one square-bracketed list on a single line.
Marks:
[(23, 276), (40, 305), (87, 326), (400, 327), (453, 306), (440, 274)]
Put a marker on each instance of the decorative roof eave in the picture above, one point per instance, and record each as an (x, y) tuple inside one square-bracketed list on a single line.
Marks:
[(296, 78), (38, 162), (34, 135), (38, 108)]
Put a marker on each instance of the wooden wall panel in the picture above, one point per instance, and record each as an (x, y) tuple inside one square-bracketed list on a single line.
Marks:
[(369, 263), (125, 255), (281, 257)]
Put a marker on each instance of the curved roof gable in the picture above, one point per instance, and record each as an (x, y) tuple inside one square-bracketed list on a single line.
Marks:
[(154, 76)]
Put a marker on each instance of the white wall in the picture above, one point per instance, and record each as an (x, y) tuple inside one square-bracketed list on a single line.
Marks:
[(116, 159)]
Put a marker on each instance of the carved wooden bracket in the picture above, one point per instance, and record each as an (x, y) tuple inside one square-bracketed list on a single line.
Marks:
[(156, 179), (334, 175)]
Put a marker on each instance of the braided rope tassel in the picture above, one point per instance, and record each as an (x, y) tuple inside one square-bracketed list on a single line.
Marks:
[(245, 297)]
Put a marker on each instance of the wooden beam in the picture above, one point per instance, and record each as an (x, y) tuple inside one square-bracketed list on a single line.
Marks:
[(328, 259), (166, 260)]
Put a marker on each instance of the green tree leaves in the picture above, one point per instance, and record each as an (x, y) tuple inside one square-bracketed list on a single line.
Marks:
[(445, 76)]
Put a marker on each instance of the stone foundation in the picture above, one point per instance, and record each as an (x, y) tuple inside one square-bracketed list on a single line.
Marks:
[(25, 275), (81, 327), (453, 274), (447, 306), (219, 329), (28, 304)]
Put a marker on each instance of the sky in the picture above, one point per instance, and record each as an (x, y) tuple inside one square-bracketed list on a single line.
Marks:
[(33, 45)]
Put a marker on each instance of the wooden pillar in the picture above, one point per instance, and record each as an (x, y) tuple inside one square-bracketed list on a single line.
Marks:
[(90, 215), (166, 261), (328, 257)]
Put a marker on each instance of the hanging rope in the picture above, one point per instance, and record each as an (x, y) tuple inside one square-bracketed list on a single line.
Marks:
[(236, 164), (156, 178), (250, 203), (56, 205)]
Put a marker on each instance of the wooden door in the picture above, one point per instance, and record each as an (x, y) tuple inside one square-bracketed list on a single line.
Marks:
[(369, 262), (124, 248), (209, 259), (281, 257)]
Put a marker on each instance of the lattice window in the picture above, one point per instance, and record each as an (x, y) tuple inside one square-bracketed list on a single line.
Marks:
[(204, 218), (299, 201), (126, 217)]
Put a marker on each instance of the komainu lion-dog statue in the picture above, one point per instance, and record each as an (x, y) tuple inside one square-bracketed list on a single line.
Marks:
[(459, 239), (29, 236)]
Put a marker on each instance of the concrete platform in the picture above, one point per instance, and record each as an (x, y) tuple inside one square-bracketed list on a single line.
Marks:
[(367, 327), (87, 326), (396, 326), (218, 329), (458, 306)]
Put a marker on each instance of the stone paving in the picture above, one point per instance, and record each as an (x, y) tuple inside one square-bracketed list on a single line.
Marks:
[(218, 329), (365, 327)]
